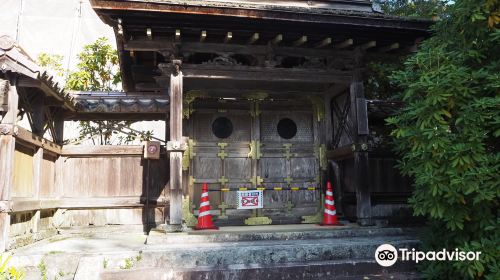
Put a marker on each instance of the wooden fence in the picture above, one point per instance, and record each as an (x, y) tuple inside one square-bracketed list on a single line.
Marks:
[(56, 187)]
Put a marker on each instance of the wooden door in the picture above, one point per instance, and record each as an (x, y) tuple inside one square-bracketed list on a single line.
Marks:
[(222, 158), (288, 166)]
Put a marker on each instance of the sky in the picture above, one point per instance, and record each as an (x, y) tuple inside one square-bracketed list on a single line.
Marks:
[(60, 27)]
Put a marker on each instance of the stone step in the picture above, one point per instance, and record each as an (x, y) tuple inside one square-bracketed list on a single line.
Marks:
[(268, 251), (340, 270), (211, 254), (158, 237)]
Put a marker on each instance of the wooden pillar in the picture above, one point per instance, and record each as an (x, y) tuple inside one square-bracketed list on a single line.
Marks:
[(175, 146), (361, 164), (7, 150), (37, 183)]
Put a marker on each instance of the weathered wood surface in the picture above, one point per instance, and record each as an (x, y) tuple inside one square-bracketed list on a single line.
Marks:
[(29, 138), (48, 178), (7, 156), (23, 205), (175, 213), (263, 74), (101, 150), (361, 158), (214, 165), (23, 172)]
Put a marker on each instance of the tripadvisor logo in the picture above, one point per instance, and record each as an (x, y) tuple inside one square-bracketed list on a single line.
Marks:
[(387, 255)]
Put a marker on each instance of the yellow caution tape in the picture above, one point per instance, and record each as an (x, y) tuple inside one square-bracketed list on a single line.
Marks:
[(278, 189), (294, 189), (224, 190), (311, 188), (261, 189), (243, 189)]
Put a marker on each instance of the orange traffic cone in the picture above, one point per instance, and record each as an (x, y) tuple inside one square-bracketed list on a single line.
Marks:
[(204, 217), (330, 214)]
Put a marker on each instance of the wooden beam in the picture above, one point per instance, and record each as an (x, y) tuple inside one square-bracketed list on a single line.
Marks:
[(83, 151), (228, 37), (193, 47), (325, 42), (368, 45), (275, 75), (24, 136), (299, 42), (344, 44), (203, 36), (23, 205), (253, 38), (341, 153), (389, 48), (277, 39)]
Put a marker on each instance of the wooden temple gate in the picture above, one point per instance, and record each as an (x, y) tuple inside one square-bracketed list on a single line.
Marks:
[(247, 70), (254, 96)]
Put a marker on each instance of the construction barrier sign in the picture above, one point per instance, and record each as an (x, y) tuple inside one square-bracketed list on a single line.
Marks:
[(250, 199)]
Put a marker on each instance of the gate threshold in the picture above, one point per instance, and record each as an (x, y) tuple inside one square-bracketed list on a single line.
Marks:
[(269, 233)]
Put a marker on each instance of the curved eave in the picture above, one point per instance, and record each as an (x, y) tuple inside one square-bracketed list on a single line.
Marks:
[(17, 61), (268, 12)]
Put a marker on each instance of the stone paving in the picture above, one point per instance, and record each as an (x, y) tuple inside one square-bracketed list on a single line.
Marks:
[(91, 253)]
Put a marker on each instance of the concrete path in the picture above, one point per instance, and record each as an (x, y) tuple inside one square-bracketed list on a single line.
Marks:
[(85, 254)]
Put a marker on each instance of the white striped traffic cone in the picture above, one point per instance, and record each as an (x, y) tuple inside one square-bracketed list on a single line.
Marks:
[(330, 214), (204, 216)]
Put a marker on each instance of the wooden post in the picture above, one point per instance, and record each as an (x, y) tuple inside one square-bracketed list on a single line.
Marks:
[(7, 150), (175, 147), (37, 181), (361, 164)]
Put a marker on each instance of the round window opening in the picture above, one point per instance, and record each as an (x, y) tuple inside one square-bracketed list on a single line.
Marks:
[(222, 127), (287, 128)]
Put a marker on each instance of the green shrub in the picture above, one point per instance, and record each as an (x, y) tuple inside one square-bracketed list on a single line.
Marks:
[(9, 273), (448, 137)]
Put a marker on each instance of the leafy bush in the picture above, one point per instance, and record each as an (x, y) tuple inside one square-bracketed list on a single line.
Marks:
[(448, 137), (9, 273)]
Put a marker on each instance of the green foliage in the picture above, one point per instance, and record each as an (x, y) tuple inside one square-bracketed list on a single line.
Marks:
[(105, 263), (9, 273), (415, 8), (98, 68), (52, 62), (129, 263), (43, 270), (378, 85), (448, 135)]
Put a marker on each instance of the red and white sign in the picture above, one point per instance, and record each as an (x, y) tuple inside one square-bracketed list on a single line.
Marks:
[(250, 199)]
